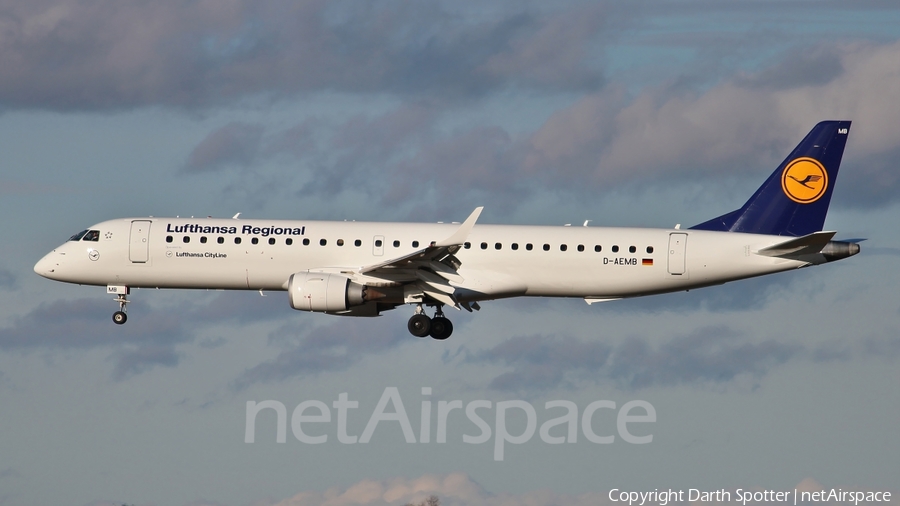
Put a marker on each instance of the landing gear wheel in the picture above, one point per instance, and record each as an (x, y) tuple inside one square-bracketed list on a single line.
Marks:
[(441, 328), (119, 317), (419, 325)]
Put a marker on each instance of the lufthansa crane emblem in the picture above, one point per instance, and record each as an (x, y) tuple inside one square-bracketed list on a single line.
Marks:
[(804, 180)]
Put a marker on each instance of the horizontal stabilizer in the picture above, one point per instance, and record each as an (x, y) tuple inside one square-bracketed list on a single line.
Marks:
[(806, 245), (594, 300)]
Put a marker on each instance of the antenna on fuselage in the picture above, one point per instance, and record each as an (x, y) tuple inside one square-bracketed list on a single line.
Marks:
[(235, 216)]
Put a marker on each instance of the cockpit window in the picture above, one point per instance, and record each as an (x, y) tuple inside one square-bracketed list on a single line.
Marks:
[(91, 235), (78, 236)]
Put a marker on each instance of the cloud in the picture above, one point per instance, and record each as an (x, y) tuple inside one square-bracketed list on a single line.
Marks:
[(541, 362), (707, 355), (75, 324), (553, 55), (396, 156), (233, 144), (610, 138), (807, 66), (8, 472), (7, 280), (107, 55), (458, 489), (363, 145), (480, 159), (743, 295), (455, 489), (714, 355), (130, 363), (335, 347), (148, 339), (743, 122)]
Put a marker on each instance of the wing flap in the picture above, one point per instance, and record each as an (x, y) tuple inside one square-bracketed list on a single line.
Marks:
[(434, 281)]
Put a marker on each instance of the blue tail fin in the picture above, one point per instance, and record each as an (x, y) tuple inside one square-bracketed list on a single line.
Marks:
[(795, 198)]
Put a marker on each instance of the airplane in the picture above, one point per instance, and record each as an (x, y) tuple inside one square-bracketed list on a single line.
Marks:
[(362, 269)]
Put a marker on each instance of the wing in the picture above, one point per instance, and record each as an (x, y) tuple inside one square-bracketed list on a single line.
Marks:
[(428, 272)]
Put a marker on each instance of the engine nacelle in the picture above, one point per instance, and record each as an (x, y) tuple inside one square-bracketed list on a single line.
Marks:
[(316, 291), (836, 250)]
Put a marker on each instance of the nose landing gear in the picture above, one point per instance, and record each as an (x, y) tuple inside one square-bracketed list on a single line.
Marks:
[(119, 317), (439, 327)]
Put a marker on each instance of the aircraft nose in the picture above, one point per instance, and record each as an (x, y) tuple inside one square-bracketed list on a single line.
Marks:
[(47, 266)]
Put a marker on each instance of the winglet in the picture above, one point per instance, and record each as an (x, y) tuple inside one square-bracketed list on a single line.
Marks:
[(462, 232)]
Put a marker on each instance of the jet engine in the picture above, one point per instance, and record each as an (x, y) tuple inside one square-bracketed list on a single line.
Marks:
[(836, 250), (323, 292)]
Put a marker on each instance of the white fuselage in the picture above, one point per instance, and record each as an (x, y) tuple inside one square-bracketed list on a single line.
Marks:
[(554, 261)]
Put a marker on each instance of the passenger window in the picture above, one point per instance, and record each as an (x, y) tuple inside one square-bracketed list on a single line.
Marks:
[(168, 238), (514, 246), (396, 243), (186, 239), (271, 240), (632, 249), (615, 249), (203, 240), (220, 240), (357, 243), (415, 244), (498, 246), (598, 248), (484, 245), (322, 242), (306, 241), (91, 235), (649, 249), (289, 241), (563, 247), (529, 247), (237, 240), (378, 243), (255, 240), (546, 247), (467, 245), (340, 242), (581, 247)]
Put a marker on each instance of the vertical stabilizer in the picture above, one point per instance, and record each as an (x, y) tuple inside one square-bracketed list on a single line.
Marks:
[(795, 198)]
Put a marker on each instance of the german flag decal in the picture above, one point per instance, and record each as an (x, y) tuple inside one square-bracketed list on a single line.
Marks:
[(647, 261)]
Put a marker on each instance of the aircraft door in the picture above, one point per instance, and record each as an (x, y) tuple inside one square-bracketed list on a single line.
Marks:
[(378, 245), (677, 246), (139, 244)]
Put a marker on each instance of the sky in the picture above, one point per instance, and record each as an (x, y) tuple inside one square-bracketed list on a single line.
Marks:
[(639, 113)]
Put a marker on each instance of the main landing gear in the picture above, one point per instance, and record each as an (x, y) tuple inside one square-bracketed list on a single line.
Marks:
[(119, 317), (439, 327)]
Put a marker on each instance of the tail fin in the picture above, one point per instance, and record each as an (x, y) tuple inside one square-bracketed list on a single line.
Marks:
[(795, 198)]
